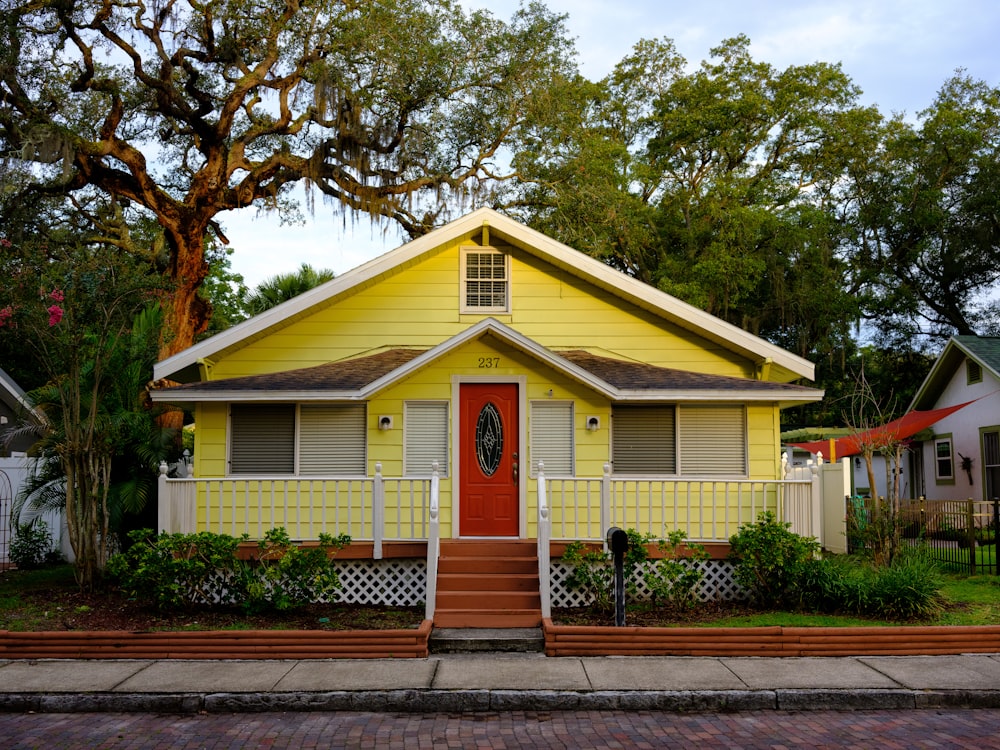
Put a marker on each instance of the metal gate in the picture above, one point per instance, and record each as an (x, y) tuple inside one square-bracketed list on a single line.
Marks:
[(6, 503)]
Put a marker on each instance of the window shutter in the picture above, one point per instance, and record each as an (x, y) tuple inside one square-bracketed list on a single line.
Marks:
[(713, 440), (262, 439), (332, 440), (426, 441), (552, 437), (643, 440)]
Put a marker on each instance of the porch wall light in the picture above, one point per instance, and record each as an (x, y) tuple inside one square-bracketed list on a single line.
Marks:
[(593, 424), (385, 423)]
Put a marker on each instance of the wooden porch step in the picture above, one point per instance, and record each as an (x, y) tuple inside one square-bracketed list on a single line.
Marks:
[(487, 565), (489, 547), (475, 581), (480, 598), (487, 584), (486, 618)]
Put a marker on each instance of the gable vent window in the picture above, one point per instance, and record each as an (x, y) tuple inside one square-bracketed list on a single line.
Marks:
[(485, 281), (973, 372)]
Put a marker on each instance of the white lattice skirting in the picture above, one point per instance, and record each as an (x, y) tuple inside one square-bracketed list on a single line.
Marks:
[(403, 583), (399, 583), (717, 584)]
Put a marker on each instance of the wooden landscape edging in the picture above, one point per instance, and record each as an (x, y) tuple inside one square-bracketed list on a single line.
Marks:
[(582, 640), (218, 644)]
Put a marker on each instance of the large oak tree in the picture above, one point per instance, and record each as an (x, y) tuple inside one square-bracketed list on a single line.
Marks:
[(191, 108)]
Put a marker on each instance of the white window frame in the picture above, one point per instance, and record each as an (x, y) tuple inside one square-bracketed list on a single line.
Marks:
[(939, 476), (552, 440), (359, 462), (417, 425), (465, 306)]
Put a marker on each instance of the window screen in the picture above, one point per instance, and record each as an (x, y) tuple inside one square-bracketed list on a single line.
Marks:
[(426, 430), (263, 439), (643, 440), (552, 437)]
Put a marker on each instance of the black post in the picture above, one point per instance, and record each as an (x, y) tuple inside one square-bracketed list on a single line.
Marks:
[(996, 535), (618, 542)]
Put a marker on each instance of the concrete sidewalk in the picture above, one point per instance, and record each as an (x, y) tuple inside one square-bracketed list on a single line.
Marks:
[(502, 682)]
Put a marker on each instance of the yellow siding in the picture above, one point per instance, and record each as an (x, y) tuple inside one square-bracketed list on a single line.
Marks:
[(419, 307)]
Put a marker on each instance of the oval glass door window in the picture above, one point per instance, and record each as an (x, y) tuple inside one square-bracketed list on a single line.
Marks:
[(489, 439)]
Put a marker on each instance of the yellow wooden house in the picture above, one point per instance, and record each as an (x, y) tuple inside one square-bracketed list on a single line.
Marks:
[(481, 391)]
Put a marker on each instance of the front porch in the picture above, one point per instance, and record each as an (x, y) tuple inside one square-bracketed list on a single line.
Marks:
[(395, 522)]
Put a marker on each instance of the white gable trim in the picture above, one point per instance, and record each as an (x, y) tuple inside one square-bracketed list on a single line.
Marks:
[(579, 264), (950, 358)]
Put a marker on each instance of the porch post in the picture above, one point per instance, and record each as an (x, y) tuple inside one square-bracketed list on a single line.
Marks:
[(606, 503), (163, 509), (433, 544), (544, 536), (378, 512)]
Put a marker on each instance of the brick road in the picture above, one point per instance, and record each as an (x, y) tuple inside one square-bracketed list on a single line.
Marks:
[(557, 729)]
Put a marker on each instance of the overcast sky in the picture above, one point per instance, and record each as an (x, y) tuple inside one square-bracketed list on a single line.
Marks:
[(899, 52)]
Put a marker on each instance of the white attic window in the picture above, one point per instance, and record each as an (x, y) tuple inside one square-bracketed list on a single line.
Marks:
[(485, 280)]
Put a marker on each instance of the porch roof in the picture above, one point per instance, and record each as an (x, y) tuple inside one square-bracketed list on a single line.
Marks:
[(361, 377)]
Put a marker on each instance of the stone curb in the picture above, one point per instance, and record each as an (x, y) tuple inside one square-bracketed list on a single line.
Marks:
[(478, 701)]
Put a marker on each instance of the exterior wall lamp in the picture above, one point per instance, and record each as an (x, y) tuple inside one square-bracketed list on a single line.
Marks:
[(593, 424), (385, 423)]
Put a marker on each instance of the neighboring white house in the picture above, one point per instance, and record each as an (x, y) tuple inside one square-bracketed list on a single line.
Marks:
[(961, 459)]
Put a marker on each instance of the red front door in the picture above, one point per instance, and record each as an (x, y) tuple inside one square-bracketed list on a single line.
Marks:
[(488, 460)]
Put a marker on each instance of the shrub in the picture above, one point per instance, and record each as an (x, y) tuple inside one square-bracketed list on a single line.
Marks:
[(283, 575), (908, 589), (594, 571), (769, 560), (31, 546), (179, 570), (675, 577)]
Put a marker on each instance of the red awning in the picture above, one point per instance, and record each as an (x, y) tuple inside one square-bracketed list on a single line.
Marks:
[(898, 429)]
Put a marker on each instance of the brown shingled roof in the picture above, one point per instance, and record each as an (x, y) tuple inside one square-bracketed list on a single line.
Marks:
[(637, 376), (344, 375)]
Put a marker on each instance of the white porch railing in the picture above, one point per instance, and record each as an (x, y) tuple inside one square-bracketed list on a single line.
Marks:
[(706, 510), (372, 509), (433, 544)]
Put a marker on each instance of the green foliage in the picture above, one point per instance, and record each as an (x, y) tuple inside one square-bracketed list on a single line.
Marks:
[(178, 570), (769, 559), (285, 286), (672, 579), (594, 571), (284, 576), (675, 577), (204, 569), (31, 546)]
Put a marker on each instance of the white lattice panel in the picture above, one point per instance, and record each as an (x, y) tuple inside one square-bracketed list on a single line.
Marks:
[(400, 583), (717, 584)]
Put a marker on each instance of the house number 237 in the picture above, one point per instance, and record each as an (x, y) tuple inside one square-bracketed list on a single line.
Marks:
[(489, 363)]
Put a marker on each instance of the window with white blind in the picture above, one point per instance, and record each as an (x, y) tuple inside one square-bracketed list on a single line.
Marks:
[(703, 440), (332, 439), (552, 437), (643, 440), (485, 281), (425, 428), (713, 440), (267, 439)]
